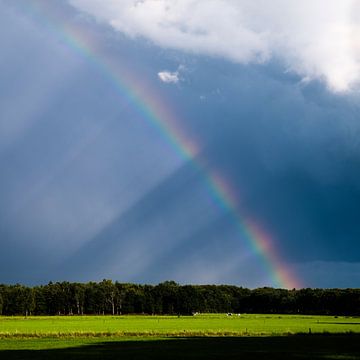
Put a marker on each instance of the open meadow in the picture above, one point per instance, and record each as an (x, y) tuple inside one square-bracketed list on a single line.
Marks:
[(199, 325), (207, 336)]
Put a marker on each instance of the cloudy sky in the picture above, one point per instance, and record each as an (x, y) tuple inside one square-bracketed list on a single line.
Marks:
[(201, 141)]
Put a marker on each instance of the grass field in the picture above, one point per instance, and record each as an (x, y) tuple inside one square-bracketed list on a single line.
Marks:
[(201, 325), (191, 337)]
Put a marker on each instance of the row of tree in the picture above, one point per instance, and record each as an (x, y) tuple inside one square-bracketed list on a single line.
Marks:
[(106, 297)]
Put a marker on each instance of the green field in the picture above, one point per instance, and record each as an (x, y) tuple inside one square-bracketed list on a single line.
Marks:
[(198, 337), (200, 325)]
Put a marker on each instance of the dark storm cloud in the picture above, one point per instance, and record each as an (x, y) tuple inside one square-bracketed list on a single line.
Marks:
[(291, 152), (89, 190)]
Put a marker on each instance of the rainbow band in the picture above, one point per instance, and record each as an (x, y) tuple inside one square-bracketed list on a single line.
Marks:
[(158, 117)]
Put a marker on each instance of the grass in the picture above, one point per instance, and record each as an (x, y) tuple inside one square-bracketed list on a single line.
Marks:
[(211, 336), (201, 325), (314, 347)]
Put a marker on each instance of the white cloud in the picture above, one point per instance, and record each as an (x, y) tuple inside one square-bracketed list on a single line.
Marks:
[(169, 77), (317, 39)]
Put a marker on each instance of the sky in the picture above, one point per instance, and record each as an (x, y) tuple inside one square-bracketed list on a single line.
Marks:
[(201, 141)]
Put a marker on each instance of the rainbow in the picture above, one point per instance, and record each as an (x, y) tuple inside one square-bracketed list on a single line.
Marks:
[(154, 113)]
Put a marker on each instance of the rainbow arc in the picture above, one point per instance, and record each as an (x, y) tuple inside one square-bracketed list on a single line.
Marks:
[(154, 112)]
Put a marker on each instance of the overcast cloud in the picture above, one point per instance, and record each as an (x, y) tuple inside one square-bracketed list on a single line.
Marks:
[(95, 186), (317, 39)]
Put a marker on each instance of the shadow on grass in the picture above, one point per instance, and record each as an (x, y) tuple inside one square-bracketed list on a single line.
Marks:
[(288, 347)]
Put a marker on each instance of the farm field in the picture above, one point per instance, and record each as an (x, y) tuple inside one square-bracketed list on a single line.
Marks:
[(187, 337), (200, 325)]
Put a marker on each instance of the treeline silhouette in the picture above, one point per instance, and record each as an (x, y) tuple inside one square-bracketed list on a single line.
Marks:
[(106, 297)]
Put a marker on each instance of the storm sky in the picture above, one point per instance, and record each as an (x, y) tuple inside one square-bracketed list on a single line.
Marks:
[(90, 188)]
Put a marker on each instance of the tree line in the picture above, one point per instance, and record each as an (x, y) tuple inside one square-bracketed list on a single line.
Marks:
[(107, 297)]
